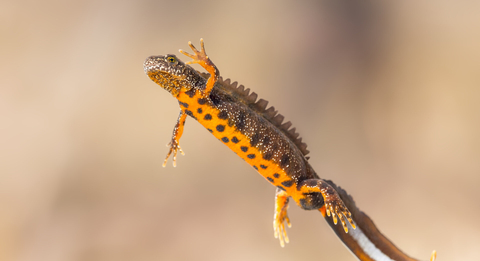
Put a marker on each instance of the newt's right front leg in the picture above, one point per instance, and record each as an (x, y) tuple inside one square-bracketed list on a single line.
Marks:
[(174, 143), (201, 58)]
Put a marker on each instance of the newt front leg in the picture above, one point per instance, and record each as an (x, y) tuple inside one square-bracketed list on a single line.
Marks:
[(174, 144), (201, 58)]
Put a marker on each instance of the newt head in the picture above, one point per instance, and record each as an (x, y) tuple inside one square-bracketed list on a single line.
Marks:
[(172, 74)]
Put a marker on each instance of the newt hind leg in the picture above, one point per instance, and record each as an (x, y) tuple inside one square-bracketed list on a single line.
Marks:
[(332, 204), (280, 216)]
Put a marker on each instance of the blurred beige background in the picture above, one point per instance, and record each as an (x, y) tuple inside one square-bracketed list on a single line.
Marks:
[(385, 95)]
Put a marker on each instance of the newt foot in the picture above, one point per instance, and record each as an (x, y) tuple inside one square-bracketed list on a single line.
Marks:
[(335, 207), (199, 57), (279, 220), (174, 148)]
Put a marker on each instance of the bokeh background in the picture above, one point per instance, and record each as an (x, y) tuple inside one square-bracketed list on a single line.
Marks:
[(386, 95)]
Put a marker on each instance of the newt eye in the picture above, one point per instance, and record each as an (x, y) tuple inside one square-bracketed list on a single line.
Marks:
[(171, 59)]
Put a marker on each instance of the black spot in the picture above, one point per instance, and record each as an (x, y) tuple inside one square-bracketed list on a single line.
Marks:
[(207, 117), (268, 156), (255, 167), (244, 149), (276, 175), (190, 93), (225, 139), (220, 127), (270, 179), (210, 130), (240, 121), (255, 139), (266, 140), (184, 104), (251, 156), (202, 101), (284, 160), (235, 140), (190, 113), (287, 183), (282, 188), (223, 115), (199, 110), (263, 166)]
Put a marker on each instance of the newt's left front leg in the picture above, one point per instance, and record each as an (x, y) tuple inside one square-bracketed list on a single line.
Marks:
[(201, 58), (174, 144)]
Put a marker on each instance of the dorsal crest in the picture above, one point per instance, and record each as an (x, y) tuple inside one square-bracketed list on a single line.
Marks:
[(260, 107)]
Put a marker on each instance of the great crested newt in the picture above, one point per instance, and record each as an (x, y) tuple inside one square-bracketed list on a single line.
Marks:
[(260, 137)]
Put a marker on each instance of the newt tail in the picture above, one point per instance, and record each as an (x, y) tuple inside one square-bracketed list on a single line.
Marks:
[(258, 135), (366, 242)]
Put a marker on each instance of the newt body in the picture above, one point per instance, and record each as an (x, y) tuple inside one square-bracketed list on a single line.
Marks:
[(256, 134)]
